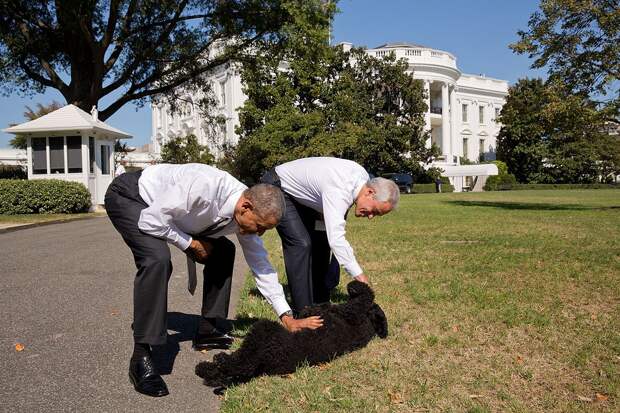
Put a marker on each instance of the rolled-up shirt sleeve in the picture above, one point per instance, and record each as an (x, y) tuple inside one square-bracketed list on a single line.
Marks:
[(158, 219), (266, 276), (335, 207)]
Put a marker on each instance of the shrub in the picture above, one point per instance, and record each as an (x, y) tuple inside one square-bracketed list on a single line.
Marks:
[(430, 188), (43, 196), (564, 186), (502, 168), (503, 182), (13, 172)]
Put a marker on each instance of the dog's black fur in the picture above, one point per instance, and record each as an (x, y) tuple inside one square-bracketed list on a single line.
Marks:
[(270, 349)]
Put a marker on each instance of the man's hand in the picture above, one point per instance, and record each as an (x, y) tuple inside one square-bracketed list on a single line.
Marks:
[(294, 325), (363, 278), (199, 250)]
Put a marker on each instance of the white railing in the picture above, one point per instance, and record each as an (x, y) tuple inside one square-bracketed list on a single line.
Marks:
[(420, 55)]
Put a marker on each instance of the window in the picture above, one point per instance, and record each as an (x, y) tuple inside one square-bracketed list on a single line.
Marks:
[(57, 154), (464, 113), (223, 93), (481, 151), (497, 112), (105, 159), (39, 156), (91, 153), (74, 154), (465, 154), (481, 114)]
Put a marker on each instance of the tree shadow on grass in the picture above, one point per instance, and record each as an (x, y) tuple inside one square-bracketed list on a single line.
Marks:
[(533, 206)]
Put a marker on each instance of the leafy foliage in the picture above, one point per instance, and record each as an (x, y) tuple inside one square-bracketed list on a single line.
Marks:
[(43, 196), (310, 99), (140, 48), (186, 150), (19, 141), (579, 44), (501, 182), (551, 135), (13, 172)]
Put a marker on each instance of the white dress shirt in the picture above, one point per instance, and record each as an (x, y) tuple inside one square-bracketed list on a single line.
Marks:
[(187, 199), (329, 186)]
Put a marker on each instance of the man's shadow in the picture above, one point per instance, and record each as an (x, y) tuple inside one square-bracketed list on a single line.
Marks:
[(184, 327)]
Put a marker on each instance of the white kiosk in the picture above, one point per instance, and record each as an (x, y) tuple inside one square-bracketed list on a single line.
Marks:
[(71, 145)]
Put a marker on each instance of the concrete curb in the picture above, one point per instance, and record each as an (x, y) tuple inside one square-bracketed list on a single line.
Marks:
[(18, 227)]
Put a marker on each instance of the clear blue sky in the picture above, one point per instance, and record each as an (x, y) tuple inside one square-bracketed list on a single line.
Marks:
[(477, 32)]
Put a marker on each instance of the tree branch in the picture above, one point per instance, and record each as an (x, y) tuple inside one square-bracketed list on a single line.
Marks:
[(119, 45), (126, 75)]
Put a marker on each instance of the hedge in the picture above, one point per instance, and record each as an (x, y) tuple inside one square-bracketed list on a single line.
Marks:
[(43, 196), (13, 172), (430, 188), (503, 182), (521, 187)]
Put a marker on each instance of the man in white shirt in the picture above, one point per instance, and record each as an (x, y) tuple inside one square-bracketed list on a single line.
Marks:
[(319, 192), (192, 207)]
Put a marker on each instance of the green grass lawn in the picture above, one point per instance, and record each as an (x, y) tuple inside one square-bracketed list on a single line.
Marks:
[(502, 301), (6, 220)]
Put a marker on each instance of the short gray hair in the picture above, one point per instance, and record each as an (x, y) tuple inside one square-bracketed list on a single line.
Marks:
[(386, 190), (268, 201)]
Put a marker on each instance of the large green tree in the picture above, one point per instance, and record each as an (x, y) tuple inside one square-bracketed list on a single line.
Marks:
[(186, 149), (315, 100), (552, 135), (128, 50), (579, 44)]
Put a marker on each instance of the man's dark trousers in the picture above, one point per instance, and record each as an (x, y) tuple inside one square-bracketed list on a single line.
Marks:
[(152, 257), (306, 250)]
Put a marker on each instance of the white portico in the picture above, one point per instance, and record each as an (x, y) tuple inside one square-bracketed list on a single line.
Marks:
[(71, 145)]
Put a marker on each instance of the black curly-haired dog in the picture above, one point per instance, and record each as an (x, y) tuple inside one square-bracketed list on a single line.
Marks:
[(271, 349)]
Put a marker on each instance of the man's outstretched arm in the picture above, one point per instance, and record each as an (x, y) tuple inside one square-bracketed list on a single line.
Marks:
[(267, 283)]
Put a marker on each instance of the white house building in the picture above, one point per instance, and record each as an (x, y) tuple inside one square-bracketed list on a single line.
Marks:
[(72, 145), (461, 118)]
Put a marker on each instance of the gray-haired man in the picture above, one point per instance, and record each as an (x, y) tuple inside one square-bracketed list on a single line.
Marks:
[(193, 207), (318, 193)]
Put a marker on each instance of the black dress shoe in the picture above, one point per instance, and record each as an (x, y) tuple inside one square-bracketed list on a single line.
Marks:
[(212, 340), (145, 379)]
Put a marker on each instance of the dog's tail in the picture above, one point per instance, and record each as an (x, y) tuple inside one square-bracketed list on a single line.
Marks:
[(211, 374)]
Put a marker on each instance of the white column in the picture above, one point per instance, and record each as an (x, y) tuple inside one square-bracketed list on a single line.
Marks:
[(454, 123), (445, 122), (427, 115)]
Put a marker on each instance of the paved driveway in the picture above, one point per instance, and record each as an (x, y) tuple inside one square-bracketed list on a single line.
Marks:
[(66, 293)]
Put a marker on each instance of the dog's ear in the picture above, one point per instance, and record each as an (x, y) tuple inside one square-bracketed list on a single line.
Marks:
[(357, 288), (378, 320)]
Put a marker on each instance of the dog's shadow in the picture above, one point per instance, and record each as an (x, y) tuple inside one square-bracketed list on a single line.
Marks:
[(184, 327)]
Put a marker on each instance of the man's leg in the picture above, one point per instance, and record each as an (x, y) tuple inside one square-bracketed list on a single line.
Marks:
[(152, 258), (321, 254), (218, 272), (297, 248)]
